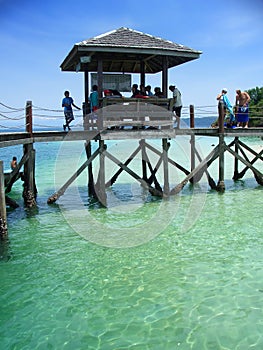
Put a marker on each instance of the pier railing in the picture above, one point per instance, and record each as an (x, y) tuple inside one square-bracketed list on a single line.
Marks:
[(114, 112)]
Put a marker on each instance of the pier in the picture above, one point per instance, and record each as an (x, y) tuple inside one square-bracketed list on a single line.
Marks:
[(136, 119), (148, 174)]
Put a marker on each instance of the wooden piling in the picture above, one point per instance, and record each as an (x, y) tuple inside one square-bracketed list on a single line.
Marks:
[(144, 164), (235, 176), (91, 189), (166, 187), (3, 217), (100, 185), (30, 191), (221, 170), (192, 141), (29, 118)]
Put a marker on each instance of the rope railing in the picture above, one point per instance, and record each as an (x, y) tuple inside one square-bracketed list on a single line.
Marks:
[(11, 115)]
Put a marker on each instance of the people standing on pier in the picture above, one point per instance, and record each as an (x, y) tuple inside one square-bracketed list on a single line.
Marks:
[(135, 91), (227, 105), (13, 163), (94, 99), (176, 103), (157, 92), (148, 90), (242, 101), (67, 103)]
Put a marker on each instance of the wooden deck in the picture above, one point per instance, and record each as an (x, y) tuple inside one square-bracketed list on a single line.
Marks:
[(20, 138)]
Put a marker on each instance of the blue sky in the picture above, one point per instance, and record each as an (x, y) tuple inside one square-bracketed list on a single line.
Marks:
[(37, 35)]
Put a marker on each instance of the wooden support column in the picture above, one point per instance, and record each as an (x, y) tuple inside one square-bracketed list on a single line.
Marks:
[(165, 76), (29, 117), (91, 189), (144, 157), (192, 116), (86, 87), (192, 141), (100, 185), (236, 175), (30, 191), (142, 68), (100, 77), (221, 183), (3, 217), (166, 188)]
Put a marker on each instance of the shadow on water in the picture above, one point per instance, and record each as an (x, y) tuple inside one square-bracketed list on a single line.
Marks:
[(5, 251)]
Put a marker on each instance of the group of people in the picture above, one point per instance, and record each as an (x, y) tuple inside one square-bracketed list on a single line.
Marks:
[(144, 92), (239, 115), (68, 103)]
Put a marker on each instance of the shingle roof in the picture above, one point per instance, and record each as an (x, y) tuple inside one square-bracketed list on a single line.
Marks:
[(123, 50), (126, 37)]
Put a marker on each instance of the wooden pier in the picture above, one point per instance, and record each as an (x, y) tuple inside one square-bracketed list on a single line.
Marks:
[(147, 176)]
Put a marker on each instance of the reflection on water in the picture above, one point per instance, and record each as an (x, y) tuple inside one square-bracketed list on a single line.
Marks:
[(197, 284)]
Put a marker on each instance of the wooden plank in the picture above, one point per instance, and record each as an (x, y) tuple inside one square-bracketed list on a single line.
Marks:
[(200, 166), (3, 217), (132, 173), (62, 190)]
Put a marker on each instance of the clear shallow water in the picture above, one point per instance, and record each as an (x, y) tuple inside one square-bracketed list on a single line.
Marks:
[(197, 284)]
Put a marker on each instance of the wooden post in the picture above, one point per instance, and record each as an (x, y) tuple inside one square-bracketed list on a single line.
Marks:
[(221, 118), (166, 188), (29, 118), (165, 76), (100, 185), (235, 176), (91, 189), (144, 163), (192, 116), (86, 87), (29, 193), (221, 183), (192, 141), (100, 77), (142, 68), (3, 218)]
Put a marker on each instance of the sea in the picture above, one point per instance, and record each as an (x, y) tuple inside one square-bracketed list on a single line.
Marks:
[(139, 272)]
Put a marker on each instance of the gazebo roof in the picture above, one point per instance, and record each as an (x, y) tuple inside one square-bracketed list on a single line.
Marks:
[(123, 50)]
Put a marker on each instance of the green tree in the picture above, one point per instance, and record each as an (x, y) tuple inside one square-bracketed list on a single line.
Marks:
[(256, 106)]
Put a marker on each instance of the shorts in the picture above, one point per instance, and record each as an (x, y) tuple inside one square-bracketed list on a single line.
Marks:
[(177, 111), (242, 115), (69, 116)]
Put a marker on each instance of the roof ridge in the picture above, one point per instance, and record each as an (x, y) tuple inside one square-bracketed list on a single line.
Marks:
[(127, 29)]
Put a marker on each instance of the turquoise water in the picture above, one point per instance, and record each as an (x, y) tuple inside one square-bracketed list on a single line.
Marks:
[(183, 273)]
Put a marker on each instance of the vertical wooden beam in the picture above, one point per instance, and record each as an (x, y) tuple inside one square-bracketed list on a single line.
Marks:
[(166, 188), (100, 185), (192, 141), (100, 77), (165, 76), (86, 87), (144, 157), (221, 183), (29, 192), (91, 189), (235, 176), (3, 217), (221, 110), (192, 116), (29, 118), (142, 69)]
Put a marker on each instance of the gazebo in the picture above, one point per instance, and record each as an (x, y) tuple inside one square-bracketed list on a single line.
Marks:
[(125, 50)]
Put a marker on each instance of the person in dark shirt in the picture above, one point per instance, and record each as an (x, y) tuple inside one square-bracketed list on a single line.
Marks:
[(67, 103)]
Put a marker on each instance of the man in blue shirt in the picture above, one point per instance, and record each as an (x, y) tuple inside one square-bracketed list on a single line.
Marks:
[(67, 103)]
